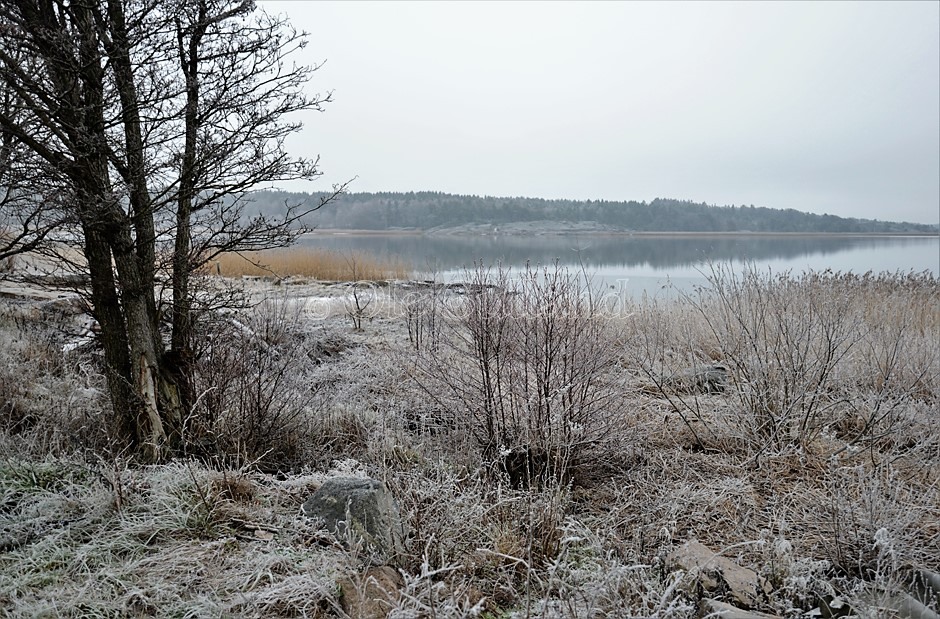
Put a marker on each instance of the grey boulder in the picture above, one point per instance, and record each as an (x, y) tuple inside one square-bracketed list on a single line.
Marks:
[(360, 510), (704, 379)]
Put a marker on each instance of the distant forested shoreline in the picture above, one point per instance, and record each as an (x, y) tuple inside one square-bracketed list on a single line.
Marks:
[(429, 210)]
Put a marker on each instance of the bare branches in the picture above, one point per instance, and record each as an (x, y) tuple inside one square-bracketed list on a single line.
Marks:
[(132, 128), (524, 366)]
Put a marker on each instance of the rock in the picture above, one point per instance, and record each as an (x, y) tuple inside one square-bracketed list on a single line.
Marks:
[(925, 588), (717, 573), (363, 509), (896, 603), (713, 608), (713, 378), (908, 607), (921, 600), (528, 466), (372, 594)]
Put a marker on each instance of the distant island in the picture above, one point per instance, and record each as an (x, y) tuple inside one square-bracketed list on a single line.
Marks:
[(437, 211)]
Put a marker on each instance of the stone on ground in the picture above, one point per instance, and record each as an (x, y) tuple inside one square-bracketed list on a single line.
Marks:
[(357, 509), (720, 574)]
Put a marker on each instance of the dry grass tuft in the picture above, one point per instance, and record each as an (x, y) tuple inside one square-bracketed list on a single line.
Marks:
[(309, 262)]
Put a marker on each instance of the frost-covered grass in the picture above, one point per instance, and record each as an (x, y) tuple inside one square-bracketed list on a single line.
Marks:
[(105, 539), (837, 498)]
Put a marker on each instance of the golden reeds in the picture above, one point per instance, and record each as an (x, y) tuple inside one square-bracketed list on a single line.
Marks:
[(311, 262)]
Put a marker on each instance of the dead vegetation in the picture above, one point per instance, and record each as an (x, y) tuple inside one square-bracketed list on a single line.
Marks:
[(310, 262), (549, 447)]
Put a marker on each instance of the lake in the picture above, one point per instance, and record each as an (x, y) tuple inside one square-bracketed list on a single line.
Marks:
[(641, 263)]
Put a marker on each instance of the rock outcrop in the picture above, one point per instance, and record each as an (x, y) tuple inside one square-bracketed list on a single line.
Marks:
[(713, 378)]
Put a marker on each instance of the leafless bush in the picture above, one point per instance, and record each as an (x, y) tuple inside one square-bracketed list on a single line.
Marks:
[(359, 296), (871, 524), (804, 354), (663, 342), (423, 317), (894, 376), (252, 403), (360, 293), (524, 366), (502, 541), (525, 553), (783, 338)]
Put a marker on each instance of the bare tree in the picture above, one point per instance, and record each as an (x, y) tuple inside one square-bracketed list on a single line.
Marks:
[(147, 124)]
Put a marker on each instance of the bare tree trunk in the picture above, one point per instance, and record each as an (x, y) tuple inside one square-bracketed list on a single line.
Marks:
[(160, 380), (137, 298), (181, 339), (102, 209), (107, 311)]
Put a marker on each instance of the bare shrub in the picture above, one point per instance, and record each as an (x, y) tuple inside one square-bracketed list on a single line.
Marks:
[(359, 296), (522, 553), (874, 522), (664, 340), (894, 376), (499, 540), (252, 403), (804, 354), (783, 338), (423, 316), (524, 366), (798, 582)]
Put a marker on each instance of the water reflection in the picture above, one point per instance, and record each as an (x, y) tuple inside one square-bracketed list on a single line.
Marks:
[(448, 253)]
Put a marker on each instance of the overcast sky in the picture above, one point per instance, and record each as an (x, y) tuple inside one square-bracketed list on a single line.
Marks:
[(821, 107)]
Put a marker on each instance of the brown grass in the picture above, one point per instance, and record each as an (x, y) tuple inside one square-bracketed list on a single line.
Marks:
[(308, 262)]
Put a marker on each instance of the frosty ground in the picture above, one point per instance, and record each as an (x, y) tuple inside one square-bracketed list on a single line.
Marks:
[(811, 458)]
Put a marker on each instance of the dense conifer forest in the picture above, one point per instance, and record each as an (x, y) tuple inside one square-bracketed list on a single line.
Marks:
[(426, 210)]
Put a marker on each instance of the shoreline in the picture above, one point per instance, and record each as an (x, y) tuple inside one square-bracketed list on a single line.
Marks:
[(615, 233)]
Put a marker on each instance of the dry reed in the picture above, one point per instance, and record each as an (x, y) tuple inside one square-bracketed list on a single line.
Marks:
[(310, 262)]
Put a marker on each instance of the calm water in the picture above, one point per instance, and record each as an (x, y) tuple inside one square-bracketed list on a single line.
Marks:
[(637, 264)]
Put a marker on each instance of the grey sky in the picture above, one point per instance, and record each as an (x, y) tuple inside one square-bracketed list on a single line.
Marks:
[(822, 107)]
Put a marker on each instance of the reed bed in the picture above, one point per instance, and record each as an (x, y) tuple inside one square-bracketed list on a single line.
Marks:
[(315, 263)]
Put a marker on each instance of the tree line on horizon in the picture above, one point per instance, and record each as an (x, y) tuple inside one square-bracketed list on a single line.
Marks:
[(424, 210)]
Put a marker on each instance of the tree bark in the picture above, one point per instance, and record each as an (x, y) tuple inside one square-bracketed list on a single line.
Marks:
[(181, 338), (104, 216), (106, 309), (158, 382)]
